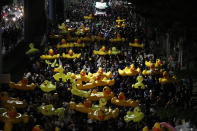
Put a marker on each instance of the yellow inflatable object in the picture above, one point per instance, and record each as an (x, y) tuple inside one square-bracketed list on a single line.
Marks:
[(54, 64), (101, 74), (157, 127), (103, 115), (166, 78), (58, 69), (63, 28), (157, 64), (8, 102), (87, 39), (103, 51), (22, 85), (103, 82), (120, 22), (4, 96), (61, 75), (145, 128), (102, 104), (117, 39), (71, 55), (49, 110), (82, 107), (120, 101), (80, 93), (12, 117), (37, 128), (64, 44), (89, 17), (14, 103), (101, 78), (114, 51), (86, 86), (136, 44), (98, 38), (99, 52), (51, 55), (135, 116), (47, 86), (32, 50), (154, 71), (82, 30), (129, 71), (106, 93), (82, 76), (139, 84)]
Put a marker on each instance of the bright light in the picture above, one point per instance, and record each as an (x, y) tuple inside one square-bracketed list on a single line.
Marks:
[(12, 14), (14, 19), (100, 5)]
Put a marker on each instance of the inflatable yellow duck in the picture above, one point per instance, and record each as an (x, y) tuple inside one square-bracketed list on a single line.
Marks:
[(106, 93), (37, 128), (61, 75), (89, 17), (71, 55), (103, 115), (49, 110), (157, 127), (101, 112), (85, 107), (12, 117), (101, 51), (129, 71), (9, 102), (22, 85), (101, 78), (120, 22), (121, 101), (63, 28), (78, 92), (79, 43), (117, 39), (152, 71), (82, 30), (64, 44), (139, 84), (135, 116), (114, 51), (145, 128), (157, 64), (136, 44), (32, 50), (50, 55), (47, 86), (14, 103), (52, 65), (166, 78)]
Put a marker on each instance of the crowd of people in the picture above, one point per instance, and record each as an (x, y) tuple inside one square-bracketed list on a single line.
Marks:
[(12, 24), (153, 99)]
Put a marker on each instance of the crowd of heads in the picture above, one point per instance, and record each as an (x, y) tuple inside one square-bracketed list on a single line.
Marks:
[(12, 24), (154, 99)]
